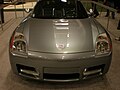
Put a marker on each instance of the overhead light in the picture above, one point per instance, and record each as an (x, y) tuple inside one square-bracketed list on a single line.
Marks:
[(64, 0)]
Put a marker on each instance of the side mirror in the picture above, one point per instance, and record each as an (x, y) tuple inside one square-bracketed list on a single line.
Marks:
[(90, 12)]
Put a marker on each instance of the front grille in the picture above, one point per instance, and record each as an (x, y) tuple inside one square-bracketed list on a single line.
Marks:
[(72, 76), (27, 71), (93, 71)]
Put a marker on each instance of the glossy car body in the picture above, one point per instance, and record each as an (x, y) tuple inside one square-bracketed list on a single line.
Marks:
[(58, 41)]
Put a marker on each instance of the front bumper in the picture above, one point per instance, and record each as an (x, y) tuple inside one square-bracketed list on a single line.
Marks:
[(69, 68)]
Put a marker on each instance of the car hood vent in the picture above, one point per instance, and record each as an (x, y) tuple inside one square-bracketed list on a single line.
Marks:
[(60, 35)]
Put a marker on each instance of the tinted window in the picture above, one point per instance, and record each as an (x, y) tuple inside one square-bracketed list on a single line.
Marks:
[(58, 9)]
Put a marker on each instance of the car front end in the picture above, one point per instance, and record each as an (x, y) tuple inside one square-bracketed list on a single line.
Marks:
[(63, 63)]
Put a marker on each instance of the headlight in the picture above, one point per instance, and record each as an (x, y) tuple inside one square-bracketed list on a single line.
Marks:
[(103, 44), (18, 43)]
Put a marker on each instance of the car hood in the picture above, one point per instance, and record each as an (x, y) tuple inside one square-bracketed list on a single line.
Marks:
[(60, 35)]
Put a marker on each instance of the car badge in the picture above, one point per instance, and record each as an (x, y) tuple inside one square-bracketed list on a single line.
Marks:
[(60, 46)]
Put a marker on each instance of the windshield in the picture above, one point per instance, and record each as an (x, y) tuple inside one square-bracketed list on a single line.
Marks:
[(57, 9)]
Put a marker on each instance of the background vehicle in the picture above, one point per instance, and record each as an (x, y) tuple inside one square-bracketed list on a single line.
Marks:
[(17, 1)]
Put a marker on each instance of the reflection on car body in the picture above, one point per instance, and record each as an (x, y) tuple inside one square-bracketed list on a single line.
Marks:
[(58, 41)]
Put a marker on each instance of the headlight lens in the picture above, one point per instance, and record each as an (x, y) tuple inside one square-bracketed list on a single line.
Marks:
[(20, 46), (103, 44), (18, 43)]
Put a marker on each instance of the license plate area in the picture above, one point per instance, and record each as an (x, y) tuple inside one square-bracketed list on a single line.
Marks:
[(59, 74)]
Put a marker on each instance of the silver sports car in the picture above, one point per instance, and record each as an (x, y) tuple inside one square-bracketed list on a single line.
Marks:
[(59, 41)]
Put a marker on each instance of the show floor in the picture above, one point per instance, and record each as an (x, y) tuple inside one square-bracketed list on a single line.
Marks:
[(9, 81)]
